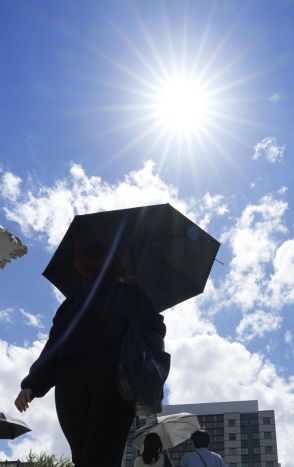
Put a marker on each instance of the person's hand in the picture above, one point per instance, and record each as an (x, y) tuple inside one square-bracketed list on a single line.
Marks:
[(23, 399)]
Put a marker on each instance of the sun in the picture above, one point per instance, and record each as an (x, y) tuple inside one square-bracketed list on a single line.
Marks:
[(181, 105), (176, 99)]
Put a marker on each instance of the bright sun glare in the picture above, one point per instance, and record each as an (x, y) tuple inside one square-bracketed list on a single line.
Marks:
[(181, 105), (187, 102)]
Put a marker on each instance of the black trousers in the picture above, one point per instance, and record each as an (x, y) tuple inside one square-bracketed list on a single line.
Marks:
[(93, 417)]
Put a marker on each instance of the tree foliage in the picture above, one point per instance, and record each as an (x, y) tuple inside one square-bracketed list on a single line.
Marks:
[(46, 460)]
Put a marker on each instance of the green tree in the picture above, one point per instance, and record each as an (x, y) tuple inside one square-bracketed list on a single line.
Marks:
[(46, 460)]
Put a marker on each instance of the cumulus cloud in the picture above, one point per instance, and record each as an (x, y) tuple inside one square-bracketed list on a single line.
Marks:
[(10, 186), (48, 211), (46, 434), (209, 368), (211, 206), (281, 284), (269, 149), (253, 240), (257, 324)]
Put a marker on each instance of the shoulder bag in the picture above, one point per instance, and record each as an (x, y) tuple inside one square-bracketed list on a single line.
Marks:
[(143, 368)]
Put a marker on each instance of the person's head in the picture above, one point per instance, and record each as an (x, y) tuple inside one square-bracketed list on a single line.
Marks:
[(152, 448), (90, 260), (200, 439)]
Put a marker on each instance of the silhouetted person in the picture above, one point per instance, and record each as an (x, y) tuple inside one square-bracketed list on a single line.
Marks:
[(201, 457), (152, 453), (81, 358)]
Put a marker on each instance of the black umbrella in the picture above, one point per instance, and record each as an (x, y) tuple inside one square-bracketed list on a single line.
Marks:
[(11, 427), (169, 256)]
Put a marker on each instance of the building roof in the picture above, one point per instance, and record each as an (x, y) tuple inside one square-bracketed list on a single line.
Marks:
[(213, 407)]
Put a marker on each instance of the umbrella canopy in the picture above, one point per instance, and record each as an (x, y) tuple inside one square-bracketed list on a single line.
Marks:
[(168, 255), (10, 247), (173, 429), (11, 427)]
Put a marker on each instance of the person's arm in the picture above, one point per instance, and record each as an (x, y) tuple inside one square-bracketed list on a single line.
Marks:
[(148, 318), (42, 373)]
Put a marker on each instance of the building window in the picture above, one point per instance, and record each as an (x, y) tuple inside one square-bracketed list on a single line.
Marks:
[(255, 435), (232, 422), (269, 464), (256, 450), (244, 436), (257, 464), (232, 451), (266, 420), (232, 437), (268, 449), (244, 450), (233, 464), (268, 435)]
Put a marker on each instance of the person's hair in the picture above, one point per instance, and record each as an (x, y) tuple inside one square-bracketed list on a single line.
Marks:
[(200, 438), (152, 448)]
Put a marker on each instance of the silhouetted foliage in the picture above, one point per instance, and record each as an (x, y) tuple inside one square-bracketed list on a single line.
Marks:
[(46, 460)]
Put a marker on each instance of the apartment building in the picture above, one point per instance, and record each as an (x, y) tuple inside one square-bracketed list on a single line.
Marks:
[(239, 432)]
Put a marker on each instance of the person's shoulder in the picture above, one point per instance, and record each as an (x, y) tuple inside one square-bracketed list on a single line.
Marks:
[(215, 454), (189, 455)]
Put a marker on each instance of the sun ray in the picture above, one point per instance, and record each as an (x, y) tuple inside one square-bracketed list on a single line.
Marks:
[(138, 54), (164, 154), (128, 71), (221, 44), (169, 38), (135, 141), (154, 51), (175, 104)]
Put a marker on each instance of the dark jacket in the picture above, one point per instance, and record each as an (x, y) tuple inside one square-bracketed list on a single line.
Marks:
[(92, 325)]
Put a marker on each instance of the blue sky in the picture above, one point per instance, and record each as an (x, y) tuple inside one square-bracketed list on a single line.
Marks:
[(87, 124)]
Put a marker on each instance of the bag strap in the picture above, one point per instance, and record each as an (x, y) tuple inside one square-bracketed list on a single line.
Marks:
[(201, 458)]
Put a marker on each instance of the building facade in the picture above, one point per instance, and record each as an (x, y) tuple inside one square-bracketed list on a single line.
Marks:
[(239, 432)]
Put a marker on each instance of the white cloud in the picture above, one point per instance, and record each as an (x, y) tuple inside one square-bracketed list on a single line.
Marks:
[(275, 97), (209, 207), (281, 284), (10, 186), (257, 324), (41, 417), (253, 241), (288, 338), (270, 149), (209, 368), (48, 211), (57, 294), (6, 315), (32, 319)]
